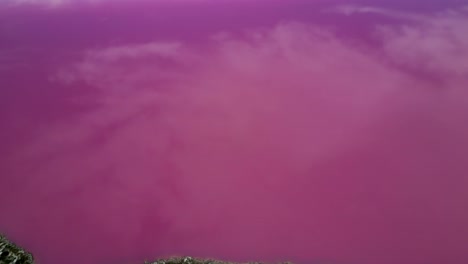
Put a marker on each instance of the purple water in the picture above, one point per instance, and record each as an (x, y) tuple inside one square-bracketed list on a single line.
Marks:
[(310, 131)]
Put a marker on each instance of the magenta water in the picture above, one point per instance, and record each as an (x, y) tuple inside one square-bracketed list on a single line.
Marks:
[(311, 131)]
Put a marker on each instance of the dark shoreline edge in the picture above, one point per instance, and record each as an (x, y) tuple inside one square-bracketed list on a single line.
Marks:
[(10, 253), (192, 260)]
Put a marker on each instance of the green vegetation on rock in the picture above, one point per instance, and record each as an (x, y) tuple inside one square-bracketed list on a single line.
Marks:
[(190, 260), (12, 254)]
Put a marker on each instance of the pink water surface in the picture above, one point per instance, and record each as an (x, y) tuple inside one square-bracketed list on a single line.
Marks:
[(312, 131)]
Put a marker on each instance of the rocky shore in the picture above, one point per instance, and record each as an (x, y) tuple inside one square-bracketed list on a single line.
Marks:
[(13, 254), (191, 260)]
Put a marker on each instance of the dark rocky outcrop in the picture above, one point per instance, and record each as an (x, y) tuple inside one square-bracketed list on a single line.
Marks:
[(190, 260), (10, 253), (13, 254)]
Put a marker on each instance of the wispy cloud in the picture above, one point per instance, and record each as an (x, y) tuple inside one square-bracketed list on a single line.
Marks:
[(64, 3), (356, 10), (47, 3), (438, 44)]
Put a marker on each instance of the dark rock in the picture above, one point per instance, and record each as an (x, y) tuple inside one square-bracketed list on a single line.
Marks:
[(12, 254), (191, 260)]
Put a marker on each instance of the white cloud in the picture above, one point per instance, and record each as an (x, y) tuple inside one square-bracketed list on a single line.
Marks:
[(436, 42), (135, 51), (48, 3), (216, 102), (108, 67), (349, 10), (61, 3)]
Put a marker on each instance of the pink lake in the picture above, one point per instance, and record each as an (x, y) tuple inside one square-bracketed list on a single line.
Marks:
[(312, 131)]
